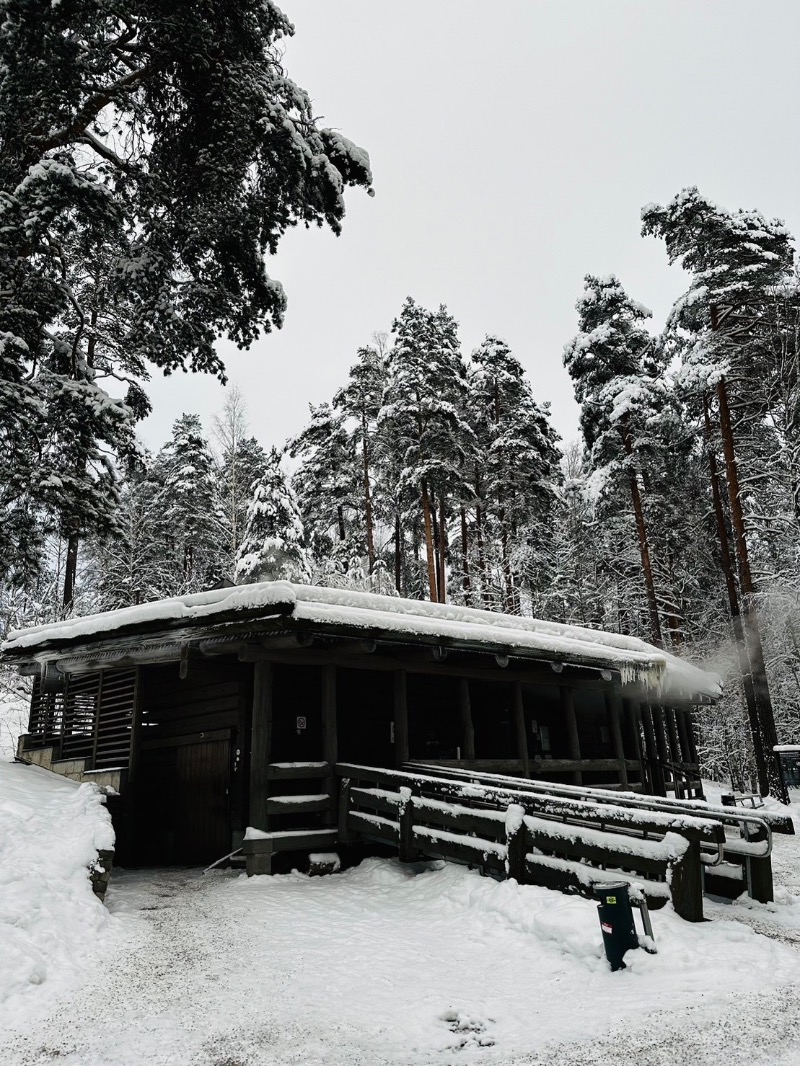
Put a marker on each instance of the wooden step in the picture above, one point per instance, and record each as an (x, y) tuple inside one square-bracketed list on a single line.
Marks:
[(297, 771), (298, 804)]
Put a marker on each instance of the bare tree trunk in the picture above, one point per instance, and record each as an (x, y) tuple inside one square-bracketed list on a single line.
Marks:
[(340, 522), (750, 612), (70, 570), (442, 551), (465, 559), (506, 562), (426, 514), (745, 667), (481, 554), (644, 547), (367, 497), (398, 561)]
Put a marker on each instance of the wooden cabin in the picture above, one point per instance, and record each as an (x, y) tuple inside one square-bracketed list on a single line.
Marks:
[(230, 709)]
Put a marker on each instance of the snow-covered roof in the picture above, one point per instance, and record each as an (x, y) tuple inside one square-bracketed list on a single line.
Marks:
[(388, 617)]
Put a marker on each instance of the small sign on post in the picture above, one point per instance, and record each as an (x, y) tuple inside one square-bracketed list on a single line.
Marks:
[(301, 723)]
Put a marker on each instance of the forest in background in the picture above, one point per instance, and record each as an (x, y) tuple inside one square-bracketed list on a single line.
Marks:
[(431, 474)]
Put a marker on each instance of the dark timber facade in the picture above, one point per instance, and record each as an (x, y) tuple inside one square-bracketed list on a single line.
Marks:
[(237, 717)]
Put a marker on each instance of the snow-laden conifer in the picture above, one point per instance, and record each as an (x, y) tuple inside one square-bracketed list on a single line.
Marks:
[(273, 545)]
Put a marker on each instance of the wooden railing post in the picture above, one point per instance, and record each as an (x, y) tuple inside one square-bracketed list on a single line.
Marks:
[(516, 848), (344, 836), (686, 884), (405, 812)]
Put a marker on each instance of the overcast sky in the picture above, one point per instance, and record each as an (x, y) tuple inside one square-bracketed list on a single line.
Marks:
[(512, 145)]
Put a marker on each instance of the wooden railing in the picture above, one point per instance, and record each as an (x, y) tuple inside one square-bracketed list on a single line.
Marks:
[(745, 864), (554, 841)]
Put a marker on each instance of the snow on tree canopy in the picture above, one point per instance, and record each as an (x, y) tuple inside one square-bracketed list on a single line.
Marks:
[(388, 616)]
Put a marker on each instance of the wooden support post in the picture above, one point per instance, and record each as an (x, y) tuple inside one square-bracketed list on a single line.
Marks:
[(400, 719), (467, 728), (661, 744), (684, 728), (686, 884), (672, 735), (330, 752), (568, 710), (657, 782), (516, 843), (633, 728), (260, 744), (614, 713), (519, 725)]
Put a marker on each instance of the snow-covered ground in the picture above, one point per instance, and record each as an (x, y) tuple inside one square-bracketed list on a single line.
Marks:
[(380, 964)]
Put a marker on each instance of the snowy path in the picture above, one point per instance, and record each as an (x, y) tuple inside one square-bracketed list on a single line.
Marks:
[(386, 964)]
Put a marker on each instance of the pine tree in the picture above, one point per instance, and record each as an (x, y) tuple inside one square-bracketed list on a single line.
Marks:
[(738, 260), (272, 548), (425, 424), (611, 364), (150, 157)]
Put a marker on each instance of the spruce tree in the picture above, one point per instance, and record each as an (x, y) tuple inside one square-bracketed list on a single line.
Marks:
[(190, 525), (519, 461), (273, 545)]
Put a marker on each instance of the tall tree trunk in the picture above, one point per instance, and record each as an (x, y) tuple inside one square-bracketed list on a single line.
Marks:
[(426, 514), (641, 531), (398, 561), (481, 555), (436, 559), (506, 563), (442, 551), (70, 571), (467, 583), (367, 497), (340, 521), (750, 611), (745, 666)]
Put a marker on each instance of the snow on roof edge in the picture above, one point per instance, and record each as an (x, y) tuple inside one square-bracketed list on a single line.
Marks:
[(636, 660)]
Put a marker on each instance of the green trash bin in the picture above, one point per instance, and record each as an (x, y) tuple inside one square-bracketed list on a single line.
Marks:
[(616, 920)]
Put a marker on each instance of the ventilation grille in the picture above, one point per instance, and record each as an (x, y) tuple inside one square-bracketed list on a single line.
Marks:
[(92, 718), (80, 709), (44, 723), (115, 721)]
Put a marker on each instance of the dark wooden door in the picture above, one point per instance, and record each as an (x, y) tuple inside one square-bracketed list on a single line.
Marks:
[(202, 780), (182, 801)]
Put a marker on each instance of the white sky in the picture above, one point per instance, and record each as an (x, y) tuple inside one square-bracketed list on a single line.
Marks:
[(512, 145)]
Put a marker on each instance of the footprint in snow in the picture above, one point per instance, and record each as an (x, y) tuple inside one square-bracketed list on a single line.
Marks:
[(470, 1032)]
